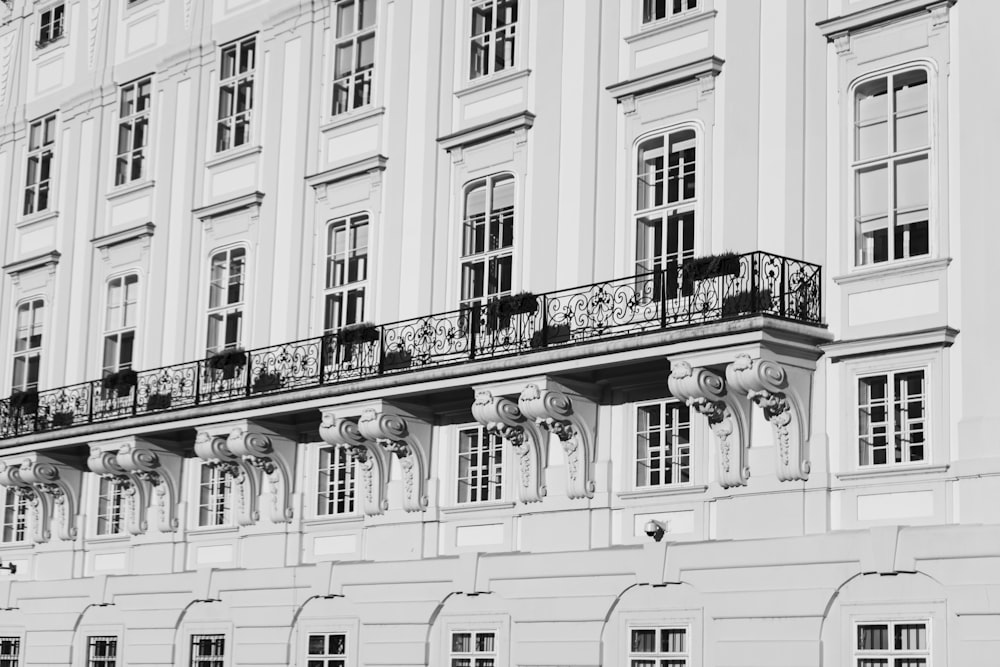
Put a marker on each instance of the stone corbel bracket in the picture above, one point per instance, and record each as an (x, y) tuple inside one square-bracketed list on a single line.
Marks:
[(785, 405), (502, 416), (104, 462), (372, 458), (705, 392), (160, 471), (573, 421), (10, 477), (408, 438), (57, 487), (214, 451), (273, 459)]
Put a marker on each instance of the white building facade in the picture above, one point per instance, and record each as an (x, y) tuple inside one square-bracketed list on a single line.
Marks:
[(497, 332)]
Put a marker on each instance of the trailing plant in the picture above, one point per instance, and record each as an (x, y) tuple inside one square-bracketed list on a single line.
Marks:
[(121, 382), (25, 400), (746, 302), (359, 332), (512, 304), (710, 266), (231, 358)]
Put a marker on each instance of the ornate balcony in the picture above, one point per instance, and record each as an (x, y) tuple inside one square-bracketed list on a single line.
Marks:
[(748, 285)]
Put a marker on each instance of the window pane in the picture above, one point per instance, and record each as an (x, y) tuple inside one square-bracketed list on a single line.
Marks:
[(872, 110), (911, 184), (345, 18), (873, 637), (873, 191), (643, 641)]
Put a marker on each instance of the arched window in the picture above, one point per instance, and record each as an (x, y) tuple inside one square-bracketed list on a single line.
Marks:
[(120, 322), (30, 321), (346, 272), (487, 239), (226, 299), (666, 192)]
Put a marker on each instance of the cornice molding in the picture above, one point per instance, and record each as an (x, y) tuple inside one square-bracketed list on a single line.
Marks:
[(135, 233), (369, 166), (705, 69), (230, 205), (866, 18), (518, 122), (49, 259), (942, 336)]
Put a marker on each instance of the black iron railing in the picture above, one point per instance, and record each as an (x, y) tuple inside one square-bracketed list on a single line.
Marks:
[(751, 284)]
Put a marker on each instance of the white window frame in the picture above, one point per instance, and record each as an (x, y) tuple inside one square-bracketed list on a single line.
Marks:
[(51, 28), (16, 517), (116, 330), (327, 659), (342, 487), (30, 351), (220, 506), (487, 257), (225, 309), (130, 119), (453, 623), (8, 657), (891, 654), (658, 657), (41, 140), (512, 31), (102, 661), (663, 405), (889, 159), (226, 120), (329, 625), (891, 425), (355, 75), (110, 514), (208, 660), (491, 467), (346, 289), (670, 10)]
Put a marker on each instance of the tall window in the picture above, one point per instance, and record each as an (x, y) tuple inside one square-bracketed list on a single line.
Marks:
[(480, 465), (51, 24), (236, 93), (225, 299), (892, 644), (208, 650), (15, 516), (41, 154), (494, 30), (214, 496), (336, 481), (346, 272), (487, 240), (663, 647), (665, 205), (110, 507), (119, 323), (327, 650), (354, 60), (892, 145), (891, 418), (28, 344), (133, 130), (657, 10), (102, 651), (10, 651), (663, 444), (473, 649)]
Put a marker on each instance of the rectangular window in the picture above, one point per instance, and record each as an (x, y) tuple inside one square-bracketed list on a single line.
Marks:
[(15, 516), (102, 651), (119, 323), (480, 465), (30, 321), (473, 649), (659, 647), (225, 300), (327, 650), (208, 650), (214, 496), (892, 644), (494, 30), (236, 76), (354, 55), (891, 409), (10, 651), (51, 24), (133, 130), (110, 502), (336, 481), (892, 146), (657, 10), (663, 444), (487, 241), (41, 155), (346, 272)]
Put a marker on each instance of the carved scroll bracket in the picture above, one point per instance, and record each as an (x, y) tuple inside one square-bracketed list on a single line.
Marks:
[(408, 439), (527, 438), (151, 472), (705, 392), (10, 477), (372, 459), (272, 458), (103, 461), (785, 405), (52, 488), (214, 451), (573, 419)]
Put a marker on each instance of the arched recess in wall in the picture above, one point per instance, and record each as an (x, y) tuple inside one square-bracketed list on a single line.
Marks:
[(655, 623), (325, 628), (900, 614), (470, 626), (208, 624), (100, 631)]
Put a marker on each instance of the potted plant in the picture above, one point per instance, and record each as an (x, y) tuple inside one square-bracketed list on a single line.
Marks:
[(359, 332), (396, 359), (710, 266), (120, 382), (500, 310), (553, 335), (158, 401), (746, 302), (62, 418), (228, 361), (267, 382), (24, 400)]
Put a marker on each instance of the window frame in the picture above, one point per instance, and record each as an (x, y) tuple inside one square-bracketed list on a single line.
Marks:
[(327, 659), (29, 352), (8, 659), (347, 287), (122, 327), (228, 308), (215, 633), (43, 154), (102, 661), (43, 40), (368, 75), (236, 80), (469, 41), (891, 654), (658, 657), (131, 120), (218, 476), (487, 256), (669, 14), (471, 621), (329, 624), (892, 427), (110, 495), (21, 524), (349, 487), (501, 484), (664, 404), (855, 166)]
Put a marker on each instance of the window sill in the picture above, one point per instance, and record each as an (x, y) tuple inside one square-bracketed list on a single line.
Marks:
[(467, 508), (139, 5), (120, 538), (893, 471), (334, 520), (490, 81), (129, 188), (904, 267), (36, 218), (658, 491), (668, 24), (212, 530), (51, 46), (233, 154), (350, 117)]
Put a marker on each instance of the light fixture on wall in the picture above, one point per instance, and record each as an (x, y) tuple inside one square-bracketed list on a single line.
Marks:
[(655, 529)]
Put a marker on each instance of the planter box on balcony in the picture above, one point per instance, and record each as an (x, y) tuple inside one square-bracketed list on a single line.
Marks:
[(26, 401), (745, 303), (554, 334), (62, 418), (121, 382), (362, 332), (228, 361), (158, 401), (267, 382), (396, 359), (711, 266), (499, 311)]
